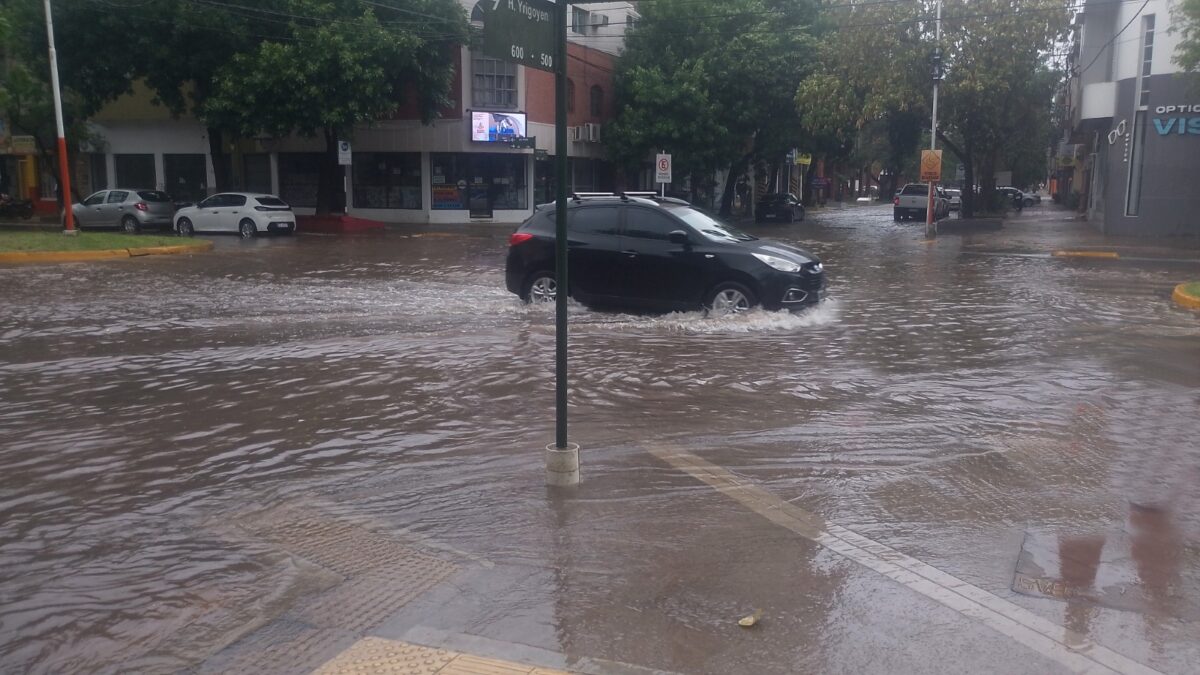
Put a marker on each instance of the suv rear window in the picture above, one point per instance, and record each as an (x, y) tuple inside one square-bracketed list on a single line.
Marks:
[(915, 189), (271, 201), (154, 196)]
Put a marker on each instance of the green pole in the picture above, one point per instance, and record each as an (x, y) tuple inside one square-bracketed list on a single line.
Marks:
[(560, 232)]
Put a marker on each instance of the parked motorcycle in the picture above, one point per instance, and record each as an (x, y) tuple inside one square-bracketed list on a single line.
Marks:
[(15, 208)]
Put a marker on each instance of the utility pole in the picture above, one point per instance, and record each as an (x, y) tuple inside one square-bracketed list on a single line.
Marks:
[(64, 171), (930, 224)]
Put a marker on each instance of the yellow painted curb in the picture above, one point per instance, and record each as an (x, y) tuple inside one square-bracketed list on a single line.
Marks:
[(1184, 298), (1086, 254), (102, 254), (171, 250)]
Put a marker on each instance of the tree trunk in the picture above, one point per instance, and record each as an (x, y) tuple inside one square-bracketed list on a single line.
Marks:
[(216, 150), (987, 182), (327, 177), (736, 170)]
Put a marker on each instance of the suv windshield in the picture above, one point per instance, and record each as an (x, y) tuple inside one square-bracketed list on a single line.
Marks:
[(916, 189), (707, 225)]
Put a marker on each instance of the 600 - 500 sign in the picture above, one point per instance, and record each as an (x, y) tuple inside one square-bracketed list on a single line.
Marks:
[(545, 60)]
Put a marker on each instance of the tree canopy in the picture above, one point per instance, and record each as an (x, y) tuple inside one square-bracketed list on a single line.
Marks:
[(994, 100), (711, 83), (1187, 22), (270, 67)]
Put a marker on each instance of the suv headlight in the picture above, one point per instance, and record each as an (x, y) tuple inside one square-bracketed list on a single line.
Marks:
[(781, 264)]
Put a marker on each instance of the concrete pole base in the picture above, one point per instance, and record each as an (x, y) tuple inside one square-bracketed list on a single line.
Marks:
[(562, 465), (71, 233)]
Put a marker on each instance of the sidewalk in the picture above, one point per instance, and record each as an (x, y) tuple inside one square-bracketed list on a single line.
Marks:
[(1053, 228)]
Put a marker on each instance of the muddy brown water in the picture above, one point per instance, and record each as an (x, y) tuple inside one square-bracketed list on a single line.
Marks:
[(944, 402)]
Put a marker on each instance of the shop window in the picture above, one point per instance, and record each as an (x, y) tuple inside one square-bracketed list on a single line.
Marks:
[(135, 171), (493, 82), (387, 180), (186, 177), (454, 176), (299, 175), (597, 101)]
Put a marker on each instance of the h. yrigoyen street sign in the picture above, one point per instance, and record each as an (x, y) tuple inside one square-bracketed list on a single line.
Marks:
[(521, 31)]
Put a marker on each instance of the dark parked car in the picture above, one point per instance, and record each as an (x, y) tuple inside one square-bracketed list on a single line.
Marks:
[(659, 253), (781, 206)]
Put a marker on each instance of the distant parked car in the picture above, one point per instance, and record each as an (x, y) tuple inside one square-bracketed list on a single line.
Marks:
[(130, 210), (913, 202), (781, 206), (248, 214), (955, 197), (1012, 194)]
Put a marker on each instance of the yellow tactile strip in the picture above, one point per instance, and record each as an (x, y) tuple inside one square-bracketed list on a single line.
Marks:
[(378, 656)]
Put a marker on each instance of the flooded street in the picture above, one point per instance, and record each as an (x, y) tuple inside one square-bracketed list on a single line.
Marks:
[(245, 461)]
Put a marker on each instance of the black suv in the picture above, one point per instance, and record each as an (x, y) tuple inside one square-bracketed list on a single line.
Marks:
[(659, 253), (780, 207)]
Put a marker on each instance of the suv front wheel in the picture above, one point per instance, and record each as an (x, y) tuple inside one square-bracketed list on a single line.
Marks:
[(729, 298)]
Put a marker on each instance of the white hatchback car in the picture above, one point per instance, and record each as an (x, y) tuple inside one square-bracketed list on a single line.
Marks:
[(246, 213)]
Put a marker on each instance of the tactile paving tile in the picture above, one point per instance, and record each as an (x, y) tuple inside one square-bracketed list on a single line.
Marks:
[(378, 656), (380, 574)]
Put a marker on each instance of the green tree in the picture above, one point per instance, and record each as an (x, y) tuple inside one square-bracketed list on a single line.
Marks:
[(1187, 22), (996, 96), (337, 66), (711, 83)]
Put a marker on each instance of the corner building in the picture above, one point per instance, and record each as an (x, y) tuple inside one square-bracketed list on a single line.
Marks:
[(1132, 153), (401, 169)]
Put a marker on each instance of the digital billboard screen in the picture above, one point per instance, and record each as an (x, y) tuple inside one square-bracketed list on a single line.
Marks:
[(497, 127)]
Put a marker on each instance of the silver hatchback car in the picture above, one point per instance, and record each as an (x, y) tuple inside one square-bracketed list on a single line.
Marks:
[(130, 210)]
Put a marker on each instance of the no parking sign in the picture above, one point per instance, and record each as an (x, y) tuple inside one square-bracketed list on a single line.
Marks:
[(662, 169)]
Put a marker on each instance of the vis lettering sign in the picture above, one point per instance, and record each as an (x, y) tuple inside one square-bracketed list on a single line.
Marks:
[(1178, 125)]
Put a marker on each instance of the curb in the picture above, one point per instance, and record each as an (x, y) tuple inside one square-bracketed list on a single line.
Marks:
[(1111, 255), (1184, 298), (102, 254)]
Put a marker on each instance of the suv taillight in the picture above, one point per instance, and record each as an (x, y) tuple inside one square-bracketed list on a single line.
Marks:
[(895, 201), (141, 206), (519, 238)]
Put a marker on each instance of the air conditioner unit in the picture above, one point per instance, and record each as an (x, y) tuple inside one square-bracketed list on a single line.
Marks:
[(575, 133), (592, 131)]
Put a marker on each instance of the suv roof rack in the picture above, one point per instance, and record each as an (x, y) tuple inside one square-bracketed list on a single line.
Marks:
[(624, 196)]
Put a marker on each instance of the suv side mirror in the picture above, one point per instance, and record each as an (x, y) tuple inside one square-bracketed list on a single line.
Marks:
[(678, 237)]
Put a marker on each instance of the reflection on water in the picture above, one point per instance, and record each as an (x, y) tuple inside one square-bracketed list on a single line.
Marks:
[(164, 391)]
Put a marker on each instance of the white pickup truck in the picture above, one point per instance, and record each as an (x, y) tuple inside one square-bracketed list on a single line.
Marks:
[(912, 202)]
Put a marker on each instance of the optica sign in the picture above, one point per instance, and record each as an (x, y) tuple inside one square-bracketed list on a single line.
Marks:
[(1179, 126)]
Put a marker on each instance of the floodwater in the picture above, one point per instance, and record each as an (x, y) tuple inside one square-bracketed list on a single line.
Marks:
[(163, 420)]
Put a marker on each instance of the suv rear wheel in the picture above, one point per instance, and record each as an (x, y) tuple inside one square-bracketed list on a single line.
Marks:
[(540, 287)]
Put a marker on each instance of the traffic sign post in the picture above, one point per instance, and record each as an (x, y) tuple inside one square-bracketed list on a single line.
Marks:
[(931, 172), (662, 171)]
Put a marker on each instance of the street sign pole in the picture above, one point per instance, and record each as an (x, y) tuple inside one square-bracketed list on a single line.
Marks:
[(560, 231), (930, 225), (533, 33)]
